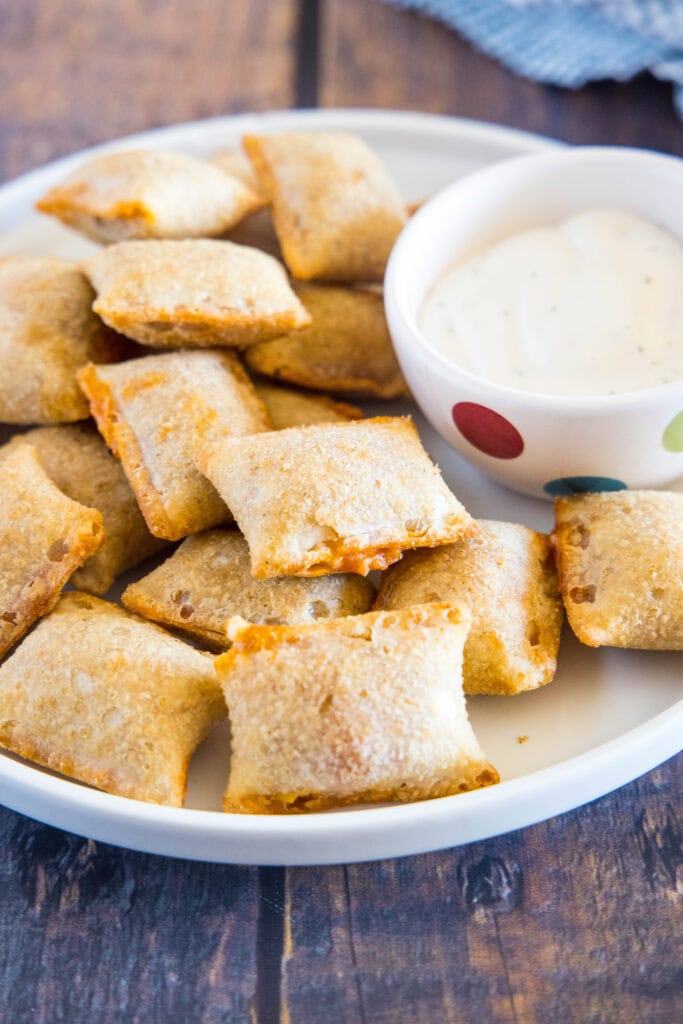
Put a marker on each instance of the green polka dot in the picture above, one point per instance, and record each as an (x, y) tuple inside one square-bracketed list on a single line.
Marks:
[(672, 438)]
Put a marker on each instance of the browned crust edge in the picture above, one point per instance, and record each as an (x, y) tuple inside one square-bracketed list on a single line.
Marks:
[(66, 204), (280, 322), (124, 445), (216, 641), (41, 593), (345, 409), (345, 385), (306, 802), (30, 747), (587, 636), (348, 556), (250, 637)]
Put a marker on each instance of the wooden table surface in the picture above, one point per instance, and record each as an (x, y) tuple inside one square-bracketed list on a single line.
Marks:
[(572, 920)]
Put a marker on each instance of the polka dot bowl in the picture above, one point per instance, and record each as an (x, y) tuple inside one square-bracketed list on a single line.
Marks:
[(535, 443)]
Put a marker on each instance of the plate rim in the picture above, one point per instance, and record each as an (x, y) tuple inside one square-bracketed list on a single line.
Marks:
[(421, 121), (332, 837), (104, 810)]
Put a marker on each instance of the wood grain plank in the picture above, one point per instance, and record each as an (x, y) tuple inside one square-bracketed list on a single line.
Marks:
[(571, 921), (600, 942), (77, 72), (89, 932), (377, 56)]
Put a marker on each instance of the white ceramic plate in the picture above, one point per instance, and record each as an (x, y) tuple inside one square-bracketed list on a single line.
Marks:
[(608, 717)]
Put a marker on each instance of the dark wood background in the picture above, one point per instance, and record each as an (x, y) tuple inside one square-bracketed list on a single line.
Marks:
[(572, 921)]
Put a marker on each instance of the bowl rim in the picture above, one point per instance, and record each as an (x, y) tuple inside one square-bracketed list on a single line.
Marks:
[(436, 206)]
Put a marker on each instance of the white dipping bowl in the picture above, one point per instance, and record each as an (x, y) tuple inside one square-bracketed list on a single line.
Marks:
[(535, 443)]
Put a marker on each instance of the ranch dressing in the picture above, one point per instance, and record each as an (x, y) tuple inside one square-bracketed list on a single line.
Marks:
[(592, 306)]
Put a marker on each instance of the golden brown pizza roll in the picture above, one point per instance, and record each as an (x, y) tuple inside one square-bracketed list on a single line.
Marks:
[(196, 293), (336, 211), (103, 697), (77, 460), (47, 330), (207, 581), (155, 413), (506, 575), (620, 565), (290, 407), (336, 497), (347, 346), (150, 194), (368, 708), (44, 536)]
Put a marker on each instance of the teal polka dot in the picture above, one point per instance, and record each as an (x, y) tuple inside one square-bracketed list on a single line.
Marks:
[(582, 484), (672, 438)]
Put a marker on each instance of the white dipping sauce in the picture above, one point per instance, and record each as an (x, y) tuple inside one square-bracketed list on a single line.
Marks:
[(592, 306)]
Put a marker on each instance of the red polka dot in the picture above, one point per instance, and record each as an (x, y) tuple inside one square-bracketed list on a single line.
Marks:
[(487, 430)]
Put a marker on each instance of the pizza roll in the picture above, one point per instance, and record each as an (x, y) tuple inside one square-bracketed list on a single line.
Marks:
[(77, 460), (620, 565), (506, 575), (44, 536), (336, 211), (105, 698), (336, 497), (155, 413), (193, 294), (47, 330), (207, 581), (150, 194), (347, 346), (368, 708), (289, 407)]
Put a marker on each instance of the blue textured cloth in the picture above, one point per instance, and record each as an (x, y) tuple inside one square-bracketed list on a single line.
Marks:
[(571, 42)]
